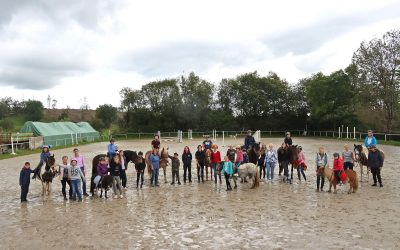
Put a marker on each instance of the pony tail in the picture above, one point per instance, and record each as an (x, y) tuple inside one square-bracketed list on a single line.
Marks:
[(257, 180)]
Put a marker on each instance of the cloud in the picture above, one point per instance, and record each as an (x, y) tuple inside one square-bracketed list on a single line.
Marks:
[(305, 40)]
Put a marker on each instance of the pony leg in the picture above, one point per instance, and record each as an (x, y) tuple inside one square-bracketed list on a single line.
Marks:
[(49, 188), (43, 188), (330, 186), (165, 174)]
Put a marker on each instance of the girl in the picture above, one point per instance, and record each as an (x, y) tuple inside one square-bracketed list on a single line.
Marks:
[(348, 158), (270, 161), (116, 172), (337, 166), (43, 156), (200, 159), (63, 170), (215, 163), (321, 161), (228, 171), (76, 175), (140, 165), (102, 170), (261, 160), (187, 164), (155, 167), (124, 165), (301, 165)]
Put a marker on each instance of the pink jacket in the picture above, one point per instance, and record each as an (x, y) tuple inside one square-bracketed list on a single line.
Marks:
[(239, 156)]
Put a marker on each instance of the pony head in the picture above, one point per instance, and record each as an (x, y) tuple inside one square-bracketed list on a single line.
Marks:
[(50, 160)]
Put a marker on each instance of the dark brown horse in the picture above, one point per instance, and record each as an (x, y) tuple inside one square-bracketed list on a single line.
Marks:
[(293, 151), (254, 153)]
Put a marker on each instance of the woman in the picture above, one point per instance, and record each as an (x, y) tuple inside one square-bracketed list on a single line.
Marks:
[(270, 161), (261, 161), (187, 164), (200, 160), (348, 158), (155, 167)]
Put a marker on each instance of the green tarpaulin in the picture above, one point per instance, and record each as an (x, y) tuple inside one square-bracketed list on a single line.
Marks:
[(62, 133)]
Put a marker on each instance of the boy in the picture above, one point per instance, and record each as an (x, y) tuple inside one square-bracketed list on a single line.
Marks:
[(140, 165), (75, 174), (63, 170), (175, 168), (25, 180), (375, 163)]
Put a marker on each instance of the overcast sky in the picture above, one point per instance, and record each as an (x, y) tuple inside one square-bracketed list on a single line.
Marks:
[(75, 49)]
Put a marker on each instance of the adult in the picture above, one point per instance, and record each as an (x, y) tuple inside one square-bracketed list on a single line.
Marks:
[(249, 140), (370, 139), (200, 160), (375, 163), (187, 164), (348, 158), (155, 167), (111, 149), (207, 143), (80, 162), (155, 143), (124, 165), (288, 139)]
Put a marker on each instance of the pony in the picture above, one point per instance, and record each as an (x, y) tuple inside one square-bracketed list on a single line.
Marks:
[(104, 184), (250, 170), (254, 153), (48, 175), (293, 151), (351, 178), (361, 158), (163, 162), (130, 156), (208, 164)]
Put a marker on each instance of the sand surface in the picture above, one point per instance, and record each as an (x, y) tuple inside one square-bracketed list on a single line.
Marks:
[(204, 216)]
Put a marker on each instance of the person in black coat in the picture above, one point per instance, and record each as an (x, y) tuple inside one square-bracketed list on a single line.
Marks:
[(187, 164), (201, 160), (375, 163), (25, 180), (140, 165)]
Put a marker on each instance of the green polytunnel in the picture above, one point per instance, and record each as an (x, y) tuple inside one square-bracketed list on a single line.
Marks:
[(62, 133)]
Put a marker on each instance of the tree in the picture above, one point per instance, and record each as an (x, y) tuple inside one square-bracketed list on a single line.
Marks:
[(33, 110), (107, 114), (3, 110), (7, 124), (54, 104), (378, 67)]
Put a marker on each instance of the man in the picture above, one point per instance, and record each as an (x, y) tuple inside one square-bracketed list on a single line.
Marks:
[(370, 140), (288, 139), (249, 140), (375, 163), (207, 143), (80, 162)]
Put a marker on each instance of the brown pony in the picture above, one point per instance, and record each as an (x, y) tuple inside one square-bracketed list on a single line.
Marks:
[(352, 179), (208, 164), (163, 162), (293, 151)]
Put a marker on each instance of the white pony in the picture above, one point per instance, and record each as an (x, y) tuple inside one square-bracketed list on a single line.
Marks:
[(250, 170)]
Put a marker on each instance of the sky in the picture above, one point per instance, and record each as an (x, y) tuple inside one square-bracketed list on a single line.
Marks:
[(89, 50)]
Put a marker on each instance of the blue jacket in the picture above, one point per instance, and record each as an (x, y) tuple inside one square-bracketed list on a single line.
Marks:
[(43, 157), (25, 176), (373, 142), (227, 168), (249, 141), (155, 161), (111, 149)]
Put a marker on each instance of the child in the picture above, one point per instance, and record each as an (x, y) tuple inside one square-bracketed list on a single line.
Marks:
[(124, 165), (270, 161), (25, 180), (175, 168), (215, 163), (321, 161), (261, 160), (301, 164), (116, 172), (43, 156), (140, 165), (375, 163), (101, 169), (155, 167), (63, 170), (187, 164), (337, 166), (200, 159), (111, 149), (75, 174), (228, 171)]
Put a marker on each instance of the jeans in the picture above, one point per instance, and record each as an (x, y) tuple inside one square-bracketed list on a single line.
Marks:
[(187, 168), (117, 184), (175, 175), (83, 183), (76, 189), (376, 175), (64, 183), (200, 172), (123, 178), (154, 176), (24, 191), (270, 170), (300, 170)]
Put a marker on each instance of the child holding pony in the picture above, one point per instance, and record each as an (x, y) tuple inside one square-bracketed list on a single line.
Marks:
[(228, 171), (140, 165), (321, 162), (301, 164), (25, 180)]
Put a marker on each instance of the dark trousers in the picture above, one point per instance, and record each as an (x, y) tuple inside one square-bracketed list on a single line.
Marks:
[(64, 183), (217, 172), (24, 191), (376, 175), (175, 175), (262, 167), (300, 169), (348, 165), (123, 177), (200, 172), (280, 168), (337, 176), (285, 166), (139, 176), (187, 168), (320, 181), (228, 183)]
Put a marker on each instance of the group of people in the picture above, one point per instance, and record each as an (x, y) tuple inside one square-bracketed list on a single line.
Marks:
[(73, 173)]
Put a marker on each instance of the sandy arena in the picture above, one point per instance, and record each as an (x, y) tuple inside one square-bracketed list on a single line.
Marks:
[(204, 216)]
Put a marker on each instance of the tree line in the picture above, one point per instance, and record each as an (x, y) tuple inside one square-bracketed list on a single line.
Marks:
[(364, 94)]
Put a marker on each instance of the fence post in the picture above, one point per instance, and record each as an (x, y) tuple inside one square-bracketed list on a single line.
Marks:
[(354, 132), (339, 131), (12, 146), (223, 138), (385, 137)]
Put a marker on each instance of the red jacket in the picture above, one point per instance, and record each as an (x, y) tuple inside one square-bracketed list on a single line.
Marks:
[(338, 164), (215, 157)]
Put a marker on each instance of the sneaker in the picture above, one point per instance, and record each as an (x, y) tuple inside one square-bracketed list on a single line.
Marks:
[(121, 196), (381, 185), (115, 196), (374, 185)]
